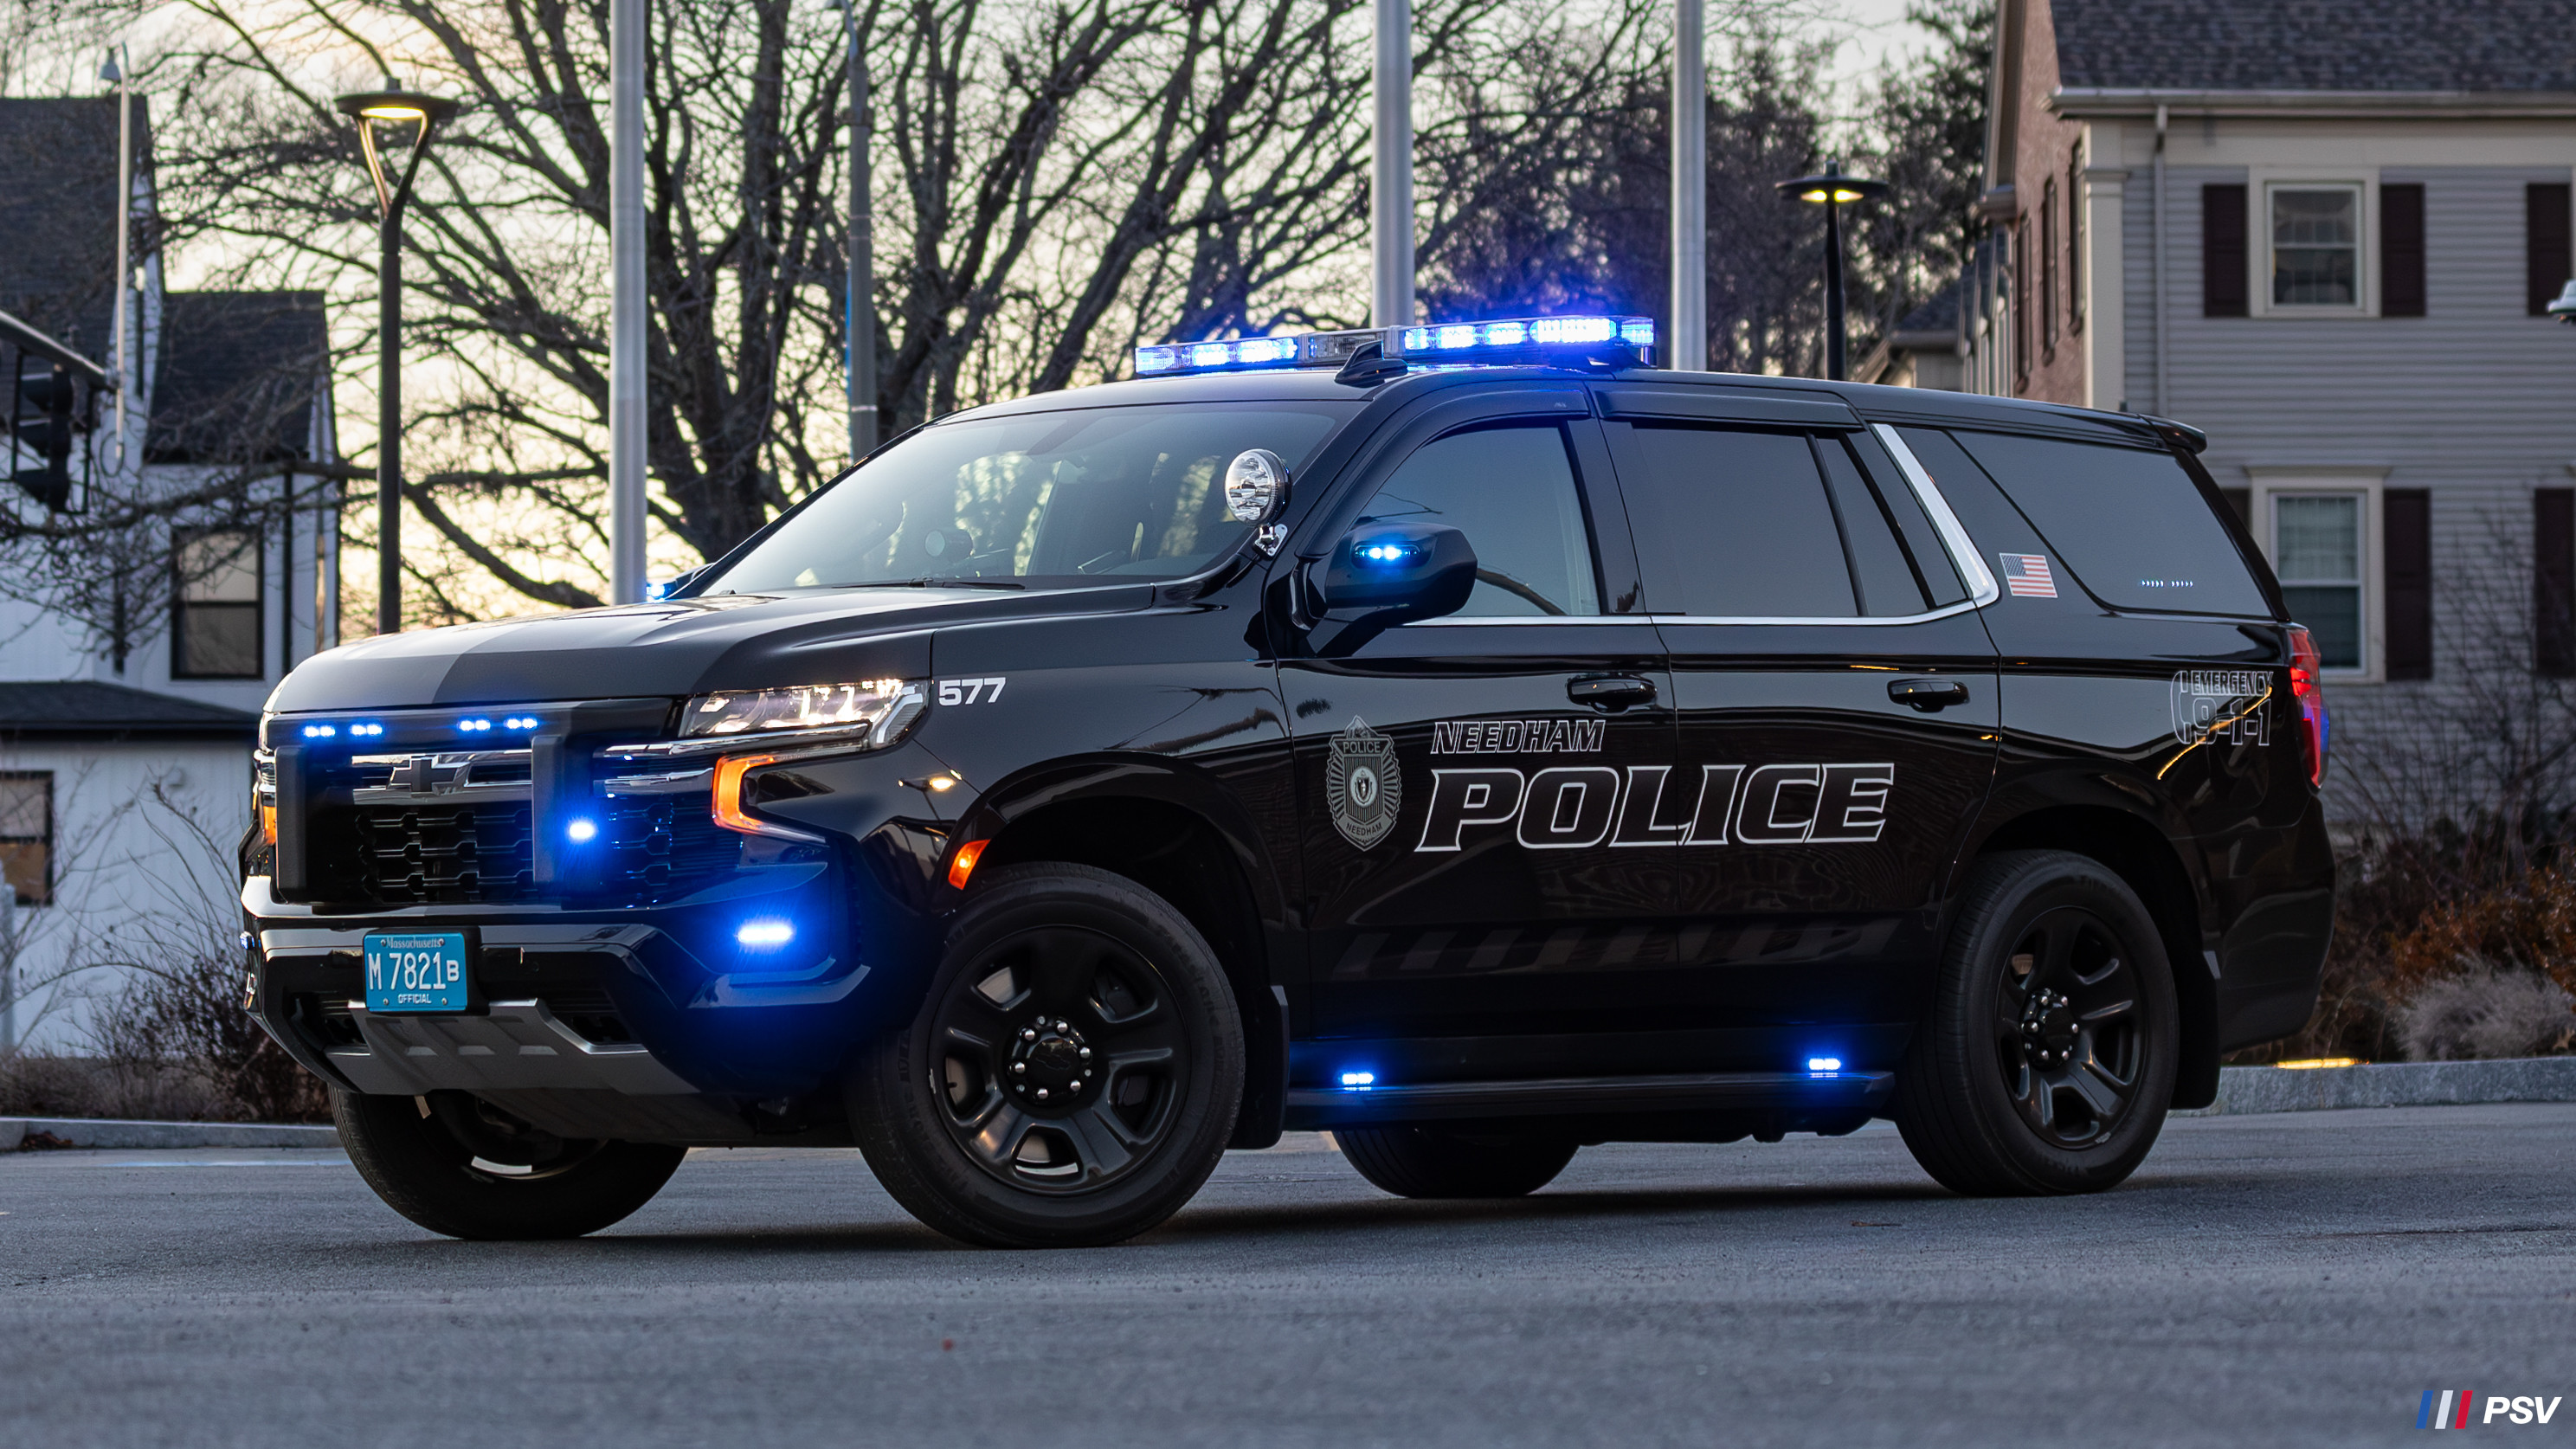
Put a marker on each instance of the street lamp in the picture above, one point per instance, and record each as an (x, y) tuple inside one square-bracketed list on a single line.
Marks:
[(387, 120), (1834, 191)]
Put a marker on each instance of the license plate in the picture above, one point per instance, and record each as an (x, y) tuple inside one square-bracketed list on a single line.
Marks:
[(420, 973)]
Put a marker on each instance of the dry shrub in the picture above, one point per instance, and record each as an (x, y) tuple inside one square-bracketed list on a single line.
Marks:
[(2481, 1013), (174, 1027)]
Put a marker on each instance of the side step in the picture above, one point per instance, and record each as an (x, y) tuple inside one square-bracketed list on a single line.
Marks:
[(1806, 1095)]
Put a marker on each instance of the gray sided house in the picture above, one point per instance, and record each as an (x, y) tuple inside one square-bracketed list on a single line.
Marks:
[(131, 676), (2325, 234)]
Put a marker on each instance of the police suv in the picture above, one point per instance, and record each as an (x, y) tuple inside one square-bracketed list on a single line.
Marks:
[(1467, 739)]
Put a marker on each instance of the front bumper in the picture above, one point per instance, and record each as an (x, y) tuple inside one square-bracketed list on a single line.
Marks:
[(637, 1022)]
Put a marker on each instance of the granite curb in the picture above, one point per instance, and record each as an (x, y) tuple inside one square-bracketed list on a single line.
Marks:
[(2246, 1090), (127, 1136)]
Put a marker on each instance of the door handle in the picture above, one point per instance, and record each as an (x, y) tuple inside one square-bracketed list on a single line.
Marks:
[(1611, 692), (1927, 695)]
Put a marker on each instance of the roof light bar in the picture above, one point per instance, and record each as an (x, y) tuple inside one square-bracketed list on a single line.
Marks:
[(1613, 340)]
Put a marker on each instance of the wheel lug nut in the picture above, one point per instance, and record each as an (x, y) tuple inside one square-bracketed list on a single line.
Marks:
[(1028, 1033), (1017, 1068), (1059, 1026), (1042, 1094), (1086, 1054)]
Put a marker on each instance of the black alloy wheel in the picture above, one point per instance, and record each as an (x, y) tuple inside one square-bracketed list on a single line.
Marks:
[(2069, 1034), (1072, 1074), (2050, 1054), (1056, 1064)]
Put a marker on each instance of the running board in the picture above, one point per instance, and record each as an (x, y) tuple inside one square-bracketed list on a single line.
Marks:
[(1800, 1094)]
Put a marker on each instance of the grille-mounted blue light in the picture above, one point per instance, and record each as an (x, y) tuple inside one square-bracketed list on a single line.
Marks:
[(369, 729), (1603, 341), (319, 732), (581, 829), (1359, 1081), (474, 726), (520, 722), (1824, 1064)]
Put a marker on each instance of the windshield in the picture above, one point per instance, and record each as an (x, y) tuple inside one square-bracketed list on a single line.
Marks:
[(1048, 499)]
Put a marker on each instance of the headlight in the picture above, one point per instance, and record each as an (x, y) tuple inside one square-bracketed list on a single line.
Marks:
[(873, 712)]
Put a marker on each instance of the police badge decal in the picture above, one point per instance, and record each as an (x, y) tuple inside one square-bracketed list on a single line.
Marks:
[(1363, 785)]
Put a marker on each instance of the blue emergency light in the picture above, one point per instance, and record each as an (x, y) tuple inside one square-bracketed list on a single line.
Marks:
[(1520, 341)]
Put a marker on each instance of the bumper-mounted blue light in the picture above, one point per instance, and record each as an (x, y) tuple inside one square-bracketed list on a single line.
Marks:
[(1824, 1064), (765, 933), (1359, 1081)]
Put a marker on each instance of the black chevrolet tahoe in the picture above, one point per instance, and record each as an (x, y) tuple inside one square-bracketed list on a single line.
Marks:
[(1465, 739)]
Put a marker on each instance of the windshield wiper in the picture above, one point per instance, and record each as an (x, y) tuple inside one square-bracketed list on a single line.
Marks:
[(927, 582)]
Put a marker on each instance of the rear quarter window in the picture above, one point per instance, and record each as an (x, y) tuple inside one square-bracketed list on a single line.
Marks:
[(2129, 523)]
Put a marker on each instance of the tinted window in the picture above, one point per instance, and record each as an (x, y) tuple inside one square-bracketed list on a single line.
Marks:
[(1511, 492), (1922, 541), (1736, 525), (1885, 576), (2129, 522), (1081, 496)]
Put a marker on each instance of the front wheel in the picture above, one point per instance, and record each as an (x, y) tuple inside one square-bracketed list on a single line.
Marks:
[(457, 1165), (2050, 1055), (1072, 1074)]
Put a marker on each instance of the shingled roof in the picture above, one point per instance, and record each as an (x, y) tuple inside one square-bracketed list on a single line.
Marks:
[(2476, 46), (58, 213), (93, 711), (239, 372)]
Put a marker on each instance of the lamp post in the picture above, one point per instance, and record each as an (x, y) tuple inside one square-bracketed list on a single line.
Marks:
[(1834, 191), (387, 119)]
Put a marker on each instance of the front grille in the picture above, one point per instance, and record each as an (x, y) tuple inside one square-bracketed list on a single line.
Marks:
[(657, 843), (444, 855)]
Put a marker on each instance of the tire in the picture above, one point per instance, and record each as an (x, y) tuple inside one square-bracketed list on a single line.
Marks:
[(433, 1160), (2049, 1058), (1455, 1161), (1072, 1074)]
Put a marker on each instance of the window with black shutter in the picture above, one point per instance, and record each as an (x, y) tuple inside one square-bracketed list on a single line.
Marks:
[(2222, 251), (2406, 559), (2401, 249), (2553, 581), (2075, 244), (2547, 265)]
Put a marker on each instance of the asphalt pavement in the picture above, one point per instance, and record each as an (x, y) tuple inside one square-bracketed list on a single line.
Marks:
[(2292, 1279)]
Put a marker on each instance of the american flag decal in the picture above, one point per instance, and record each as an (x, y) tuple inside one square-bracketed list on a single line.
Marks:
[(2026, 575)]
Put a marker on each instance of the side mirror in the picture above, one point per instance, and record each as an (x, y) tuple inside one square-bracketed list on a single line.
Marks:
[(1382, 574)]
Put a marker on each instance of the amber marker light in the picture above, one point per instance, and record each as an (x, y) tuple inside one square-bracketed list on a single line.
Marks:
[(728, 793), (964, 865), (2315, 1062), (268, 823)]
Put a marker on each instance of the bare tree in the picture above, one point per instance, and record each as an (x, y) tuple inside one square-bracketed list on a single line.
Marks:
[(1056, 179)]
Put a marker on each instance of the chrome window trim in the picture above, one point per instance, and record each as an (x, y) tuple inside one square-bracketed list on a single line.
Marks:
[(1961, 607), (1982, 588)]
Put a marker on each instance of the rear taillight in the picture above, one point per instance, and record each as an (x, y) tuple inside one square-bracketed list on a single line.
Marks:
[(2307, 688)]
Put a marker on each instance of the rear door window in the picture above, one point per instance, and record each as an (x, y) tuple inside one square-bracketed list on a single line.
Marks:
[(1734, 524), (2129, 523)]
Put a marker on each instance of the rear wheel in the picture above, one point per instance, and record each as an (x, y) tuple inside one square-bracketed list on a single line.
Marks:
[(458, 1165), (1072, 1074), (2050, 1055), (1455, 1161)]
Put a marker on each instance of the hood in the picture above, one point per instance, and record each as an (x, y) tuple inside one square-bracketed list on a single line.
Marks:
[(680, 647)]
